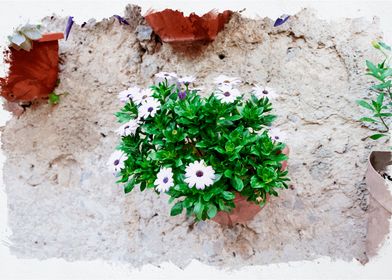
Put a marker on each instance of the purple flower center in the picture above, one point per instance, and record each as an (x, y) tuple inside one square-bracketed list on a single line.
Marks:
[(199, 173), (276, 137), (265, 91), (165, 180), (150, 109), (144, 96), (116, 162), (227, 94), (126, 127)]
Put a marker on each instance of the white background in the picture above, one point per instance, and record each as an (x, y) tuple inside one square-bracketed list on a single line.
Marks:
[(18, 12)]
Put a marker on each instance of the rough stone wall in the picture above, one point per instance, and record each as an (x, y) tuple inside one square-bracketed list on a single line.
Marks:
[(63, 201)]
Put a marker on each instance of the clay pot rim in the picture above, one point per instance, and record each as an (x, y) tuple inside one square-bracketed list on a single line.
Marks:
[(377, 185), (51, 37)]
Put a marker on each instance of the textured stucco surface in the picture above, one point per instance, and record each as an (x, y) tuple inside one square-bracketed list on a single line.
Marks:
[(63, 201)]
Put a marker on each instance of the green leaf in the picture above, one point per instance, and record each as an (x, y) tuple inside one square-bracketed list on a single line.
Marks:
[(380, 98), (207, 196), (188, 202), (228, 173), (198, 209), (234, 118), (212, 211), (385, 46), (128, 187), (377, 136), (178, 162), (228, 195), (268, 174), (364, 104), (229, 147), (220, 150), (255, 183), (383, 115), (237, 183), (366, 119), (54, 98), (381, 86), (176, 209), (201, 144), (371, 67), (386, 73)]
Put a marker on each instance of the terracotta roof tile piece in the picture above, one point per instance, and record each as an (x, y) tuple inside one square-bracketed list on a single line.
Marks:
[(173, 27)]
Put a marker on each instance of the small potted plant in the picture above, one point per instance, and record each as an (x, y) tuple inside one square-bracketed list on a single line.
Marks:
[(379, 171), (210, 155), (33, 59)]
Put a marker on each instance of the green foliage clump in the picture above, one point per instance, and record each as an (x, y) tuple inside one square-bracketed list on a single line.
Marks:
[(232, 138)]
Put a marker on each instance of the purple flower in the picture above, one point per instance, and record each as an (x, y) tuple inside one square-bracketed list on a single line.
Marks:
[(121, 20), (70, 22), (182, 94), (280, 20)]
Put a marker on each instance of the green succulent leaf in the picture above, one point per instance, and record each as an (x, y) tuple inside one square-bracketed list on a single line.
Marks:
[(177, 209), (377, 136), (212, 211), (237, 183)]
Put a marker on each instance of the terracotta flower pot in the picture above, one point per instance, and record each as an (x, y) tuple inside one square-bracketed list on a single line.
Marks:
[(380, 204), (32, 74), (244, 210), (173, 27)]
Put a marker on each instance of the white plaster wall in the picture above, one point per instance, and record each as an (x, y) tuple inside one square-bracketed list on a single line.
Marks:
[(17, 12)]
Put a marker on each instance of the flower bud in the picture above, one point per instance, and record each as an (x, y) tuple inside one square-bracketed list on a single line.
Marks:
[(375, 44), (182, 94)]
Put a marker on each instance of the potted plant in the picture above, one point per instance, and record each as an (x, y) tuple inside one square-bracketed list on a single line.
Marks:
[(210, 155), (378, 174), (173, 27), (33, 59)]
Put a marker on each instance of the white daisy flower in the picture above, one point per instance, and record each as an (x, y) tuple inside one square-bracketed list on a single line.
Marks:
[(261, 92), (116, 161), (149, 107), (142, 95), (225, 80), (164, 180), (187, 80), (199, 174), (128, 128), (276, 134), (227, 94), (128, 94), (170, 77)]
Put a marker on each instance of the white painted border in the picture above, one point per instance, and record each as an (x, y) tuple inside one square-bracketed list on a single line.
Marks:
[(13, 13)]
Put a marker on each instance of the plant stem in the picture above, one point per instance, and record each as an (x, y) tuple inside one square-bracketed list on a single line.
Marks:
[(385, 125), (200, 154)]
